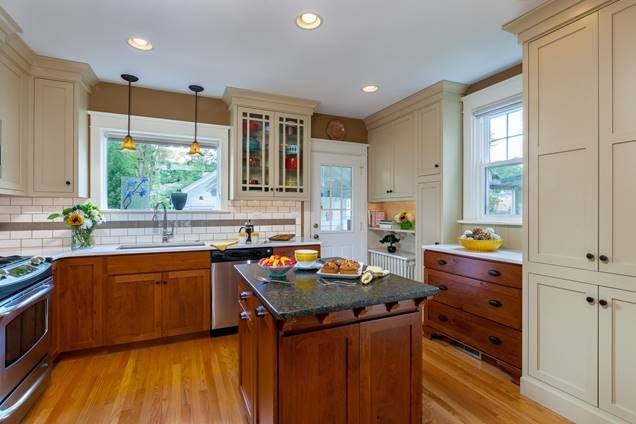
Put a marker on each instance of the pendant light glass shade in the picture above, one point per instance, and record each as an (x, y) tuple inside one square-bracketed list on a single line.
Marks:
[(195, 147), (128, 143)]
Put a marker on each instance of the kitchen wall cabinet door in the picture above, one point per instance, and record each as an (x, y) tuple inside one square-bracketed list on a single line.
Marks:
[(12, 128), (429, 140), (292, 156), (132, 305), (254, 173), (54, 135), (563, 146), (78, 303), (330, 359), (563, 335), (429, 211), (380, 164), (617, 350), (185, 300), (617, 144), (404, 158)]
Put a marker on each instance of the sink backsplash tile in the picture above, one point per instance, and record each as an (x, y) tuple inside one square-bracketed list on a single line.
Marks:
[(23, 222)]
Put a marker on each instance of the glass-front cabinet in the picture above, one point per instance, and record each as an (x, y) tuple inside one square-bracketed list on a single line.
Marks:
[(256, 152), (290, 179)]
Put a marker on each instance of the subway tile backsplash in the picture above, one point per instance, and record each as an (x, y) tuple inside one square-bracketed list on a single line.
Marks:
[(23, 222)]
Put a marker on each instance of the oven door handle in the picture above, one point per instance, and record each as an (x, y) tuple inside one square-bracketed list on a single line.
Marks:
[(6, 413), (25, 301)]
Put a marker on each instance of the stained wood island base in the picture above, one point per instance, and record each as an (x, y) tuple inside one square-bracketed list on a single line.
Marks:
[(315, 354)]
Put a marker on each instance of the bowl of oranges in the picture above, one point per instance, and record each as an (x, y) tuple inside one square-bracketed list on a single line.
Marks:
[(277, 266)]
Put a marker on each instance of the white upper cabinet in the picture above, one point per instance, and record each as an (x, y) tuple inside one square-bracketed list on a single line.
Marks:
[(381, 162), (617, 145), (429, 146), (562, 159), (13, 116), (617, 350)]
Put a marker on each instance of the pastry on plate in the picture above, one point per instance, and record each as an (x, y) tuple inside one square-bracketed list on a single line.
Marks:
[(349, 267)]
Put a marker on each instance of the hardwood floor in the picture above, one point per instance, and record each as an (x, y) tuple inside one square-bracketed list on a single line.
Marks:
[(196, 381)]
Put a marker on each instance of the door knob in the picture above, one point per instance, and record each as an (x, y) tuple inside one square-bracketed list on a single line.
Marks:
[(316, 236), (315, 225)]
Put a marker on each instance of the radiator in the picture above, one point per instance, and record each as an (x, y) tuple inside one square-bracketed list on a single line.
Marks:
[(403, 266)]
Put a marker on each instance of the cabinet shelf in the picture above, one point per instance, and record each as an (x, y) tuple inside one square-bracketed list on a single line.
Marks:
[(392, 230)]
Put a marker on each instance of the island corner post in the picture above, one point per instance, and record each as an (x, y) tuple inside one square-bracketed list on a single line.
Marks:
[(308, 357)]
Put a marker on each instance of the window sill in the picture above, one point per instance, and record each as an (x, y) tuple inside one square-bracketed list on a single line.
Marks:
[(170, 211), (506, 223)]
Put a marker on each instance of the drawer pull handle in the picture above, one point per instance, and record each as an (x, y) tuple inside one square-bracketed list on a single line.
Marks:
[(494, 340), (442, 318), (244, 316), (496, 303), (442, 287), (244, 295), (494, 273), (441, 262)]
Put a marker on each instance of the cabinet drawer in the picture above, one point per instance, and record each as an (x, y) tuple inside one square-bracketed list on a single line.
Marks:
[(157, 262), (494, 272), (498, 303), (491, 338)]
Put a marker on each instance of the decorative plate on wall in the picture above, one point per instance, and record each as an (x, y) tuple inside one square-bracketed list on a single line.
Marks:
[(336, 130)]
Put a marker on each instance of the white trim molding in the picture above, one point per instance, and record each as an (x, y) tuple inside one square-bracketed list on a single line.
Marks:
[(498, 95), (104, 125)]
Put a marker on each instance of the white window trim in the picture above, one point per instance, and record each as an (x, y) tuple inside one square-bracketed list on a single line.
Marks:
[(499, 95), (104, 125)]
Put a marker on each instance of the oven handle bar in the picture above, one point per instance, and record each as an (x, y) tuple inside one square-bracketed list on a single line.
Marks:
[(6, 413), (25, 301)]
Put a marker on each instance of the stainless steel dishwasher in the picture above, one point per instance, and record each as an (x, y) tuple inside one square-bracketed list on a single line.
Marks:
[(224, 295)]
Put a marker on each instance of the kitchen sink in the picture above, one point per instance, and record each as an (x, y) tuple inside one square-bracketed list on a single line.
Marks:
[(160, 245)]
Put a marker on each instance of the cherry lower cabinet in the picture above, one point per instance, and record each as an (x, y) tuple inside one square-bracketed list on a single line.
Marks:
[(306, 372)]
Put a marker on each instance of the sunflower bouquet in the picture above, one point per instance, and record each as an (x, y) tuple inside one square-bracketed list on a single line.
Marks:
[(82, 220), (405, 219)]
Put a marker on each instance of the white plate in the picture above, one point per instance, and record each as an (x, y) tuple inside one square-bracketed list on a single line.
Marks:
[(313, 265)]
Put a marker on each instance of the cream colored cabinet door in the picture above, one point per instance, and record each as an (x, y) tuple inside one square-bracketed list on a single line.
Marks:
[(402, 138), (53, 146), (617, 144), (563, 145), (428, 220), (429, 140), (617, 353), (563, 335), (380, 164), (12, 108)]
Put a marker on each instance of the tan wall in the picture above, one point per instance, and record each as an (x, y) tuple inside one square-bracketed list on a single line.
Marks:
[(494, 79), (113, 98)]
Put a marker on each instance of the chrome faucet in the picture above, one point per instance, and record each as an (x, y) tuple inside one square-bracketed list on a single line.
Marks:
[(165, 235)]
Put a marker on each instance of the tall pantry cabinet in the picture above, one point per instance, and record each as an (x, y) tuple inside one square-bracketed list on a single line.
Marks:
[(415, 153), (580, 256)]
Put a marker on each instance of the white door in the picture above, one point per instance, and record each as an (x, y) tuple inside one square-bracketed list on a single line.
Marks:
[(563, 328), (337, 203), (617, 353)]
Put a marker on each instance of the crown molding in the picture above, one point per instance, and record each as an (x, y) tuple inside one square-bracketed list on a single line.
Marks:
[(249, 98), (551, 15), (65, 70), (436, 92), (7, 25)]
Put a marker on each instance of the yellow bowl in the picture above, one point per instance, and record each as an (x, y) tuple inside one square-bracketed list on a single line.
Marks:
[(306, 255), (481, 245)]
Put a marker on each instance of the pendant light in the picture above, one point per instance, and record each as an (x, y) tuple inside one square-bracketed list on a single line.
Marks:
[(128, 144), (195, 147)]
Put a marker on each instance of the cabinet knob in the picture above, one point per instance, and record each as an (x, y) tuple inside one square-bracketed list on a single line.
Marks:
[(442, 287), (442, 318), (495, 303), (494, 340), (437, 165), (165, 281), (441, 262), (157, 282), (590, 300), (244, 316), (602, 302), (316, 236), (494, 273), (244, 295), (68, 183), (260, 311), (590, 256), (604, 259)]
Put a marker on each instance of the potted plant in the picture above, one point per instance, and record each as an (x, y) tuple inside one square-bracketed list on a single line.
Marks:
[(405, 219), (179, 199), (391, 239), (82, 220)]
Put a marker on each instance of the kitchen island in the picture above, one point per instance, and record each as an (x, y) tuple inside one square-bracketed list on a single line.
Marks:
[(313, 354)]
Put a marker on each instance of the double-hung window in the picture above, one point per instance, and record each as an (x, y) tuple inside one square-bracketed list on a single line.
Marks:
[(493, 154)]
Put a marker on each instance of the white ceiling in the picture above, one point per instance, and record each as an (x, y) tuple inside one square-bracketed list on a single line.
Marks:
[(402, 45)]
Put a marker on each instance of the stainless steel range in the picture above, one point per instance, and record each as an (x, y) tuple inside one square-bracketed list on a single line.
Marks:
[(25, 296)]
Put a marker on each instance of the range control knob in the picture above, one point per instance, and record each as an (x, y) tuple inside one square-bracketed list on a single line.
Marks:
[(3, 274), (37, 260)]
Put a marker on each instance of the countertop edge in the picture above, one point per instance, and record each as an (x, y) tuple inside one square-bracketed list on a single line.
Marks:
[(502, 255)]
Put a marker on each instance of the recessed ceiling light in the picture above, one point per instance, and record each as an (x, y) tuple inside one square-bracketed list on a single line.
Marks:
[(308, 20), (370, 88), (140, 43)]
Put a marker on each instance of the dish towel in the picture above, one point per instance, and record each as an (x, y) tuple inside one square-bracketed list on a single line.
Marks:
[(222, 245)]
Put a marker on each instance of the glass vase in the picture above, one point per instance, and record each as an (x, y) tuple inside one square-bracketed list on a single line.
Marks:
[(81, 238)]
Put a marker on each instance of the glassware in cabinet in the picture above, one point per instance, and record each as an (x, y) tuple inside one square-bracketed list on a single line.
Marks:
[(291, 136), (255, 152)]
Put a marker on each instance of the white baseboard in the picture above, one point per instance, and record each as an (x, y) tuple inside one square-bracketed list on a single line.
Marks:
[(568, 406)]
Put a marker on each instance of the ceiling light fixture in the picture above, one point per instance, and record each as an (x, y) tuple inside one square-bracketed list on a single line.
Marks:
[(127, 143), (308, 20), (140, 43), (370, 88), (195, 147)]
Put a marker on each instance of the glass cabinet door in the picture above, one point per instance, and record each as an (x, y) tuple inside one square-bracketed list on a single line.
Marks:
[(255, 152), (291, 136)]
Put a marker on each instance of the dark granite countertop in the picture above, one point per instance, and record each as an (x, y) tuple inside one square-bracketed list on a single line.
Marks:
[(307, 297)]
